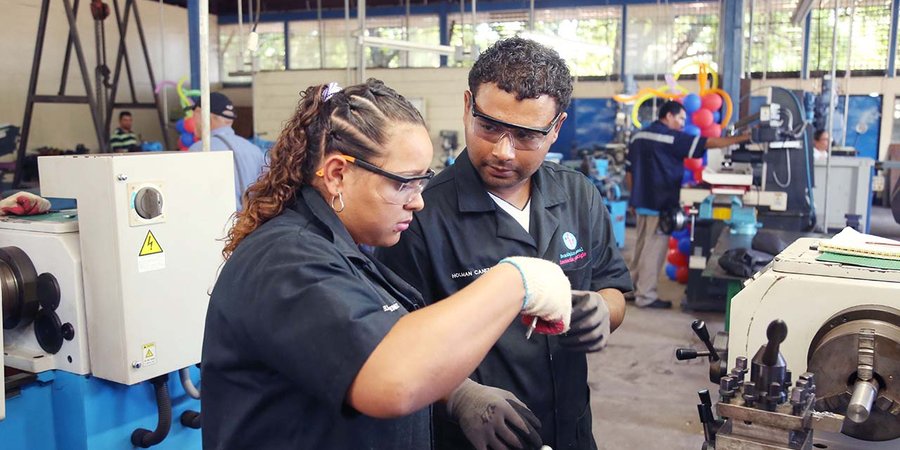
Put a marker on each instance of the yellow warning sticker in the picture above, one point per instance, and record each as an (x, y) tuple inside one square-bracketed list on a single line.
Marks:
[(149, 354), (151, 245)]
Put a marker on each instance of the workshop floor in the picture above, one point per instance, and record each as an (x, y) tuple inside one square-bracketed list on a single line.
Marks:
[(642, 398)]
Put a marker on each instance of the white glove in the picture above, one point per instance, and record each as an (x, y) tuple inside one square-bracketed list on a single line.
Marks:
[(23, 204), (590, 323), (548, 293)]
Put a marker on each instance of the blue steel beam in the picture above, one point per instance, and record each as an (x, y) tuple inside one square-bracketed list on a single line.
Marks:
[(287, 47), (807, 32), (435, 8), (732, 22), (892, 52), (194, 41), (443, 30), (622, 42)]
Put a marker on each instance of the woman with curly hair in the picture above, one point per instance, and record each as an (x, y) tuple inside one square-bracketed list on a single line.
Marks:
[(309, 342)]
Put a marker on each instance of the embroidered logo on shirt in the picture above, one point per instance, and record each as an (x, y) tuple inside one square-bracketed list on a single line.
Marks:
[(569, 240), (391, 308), (575, 252)]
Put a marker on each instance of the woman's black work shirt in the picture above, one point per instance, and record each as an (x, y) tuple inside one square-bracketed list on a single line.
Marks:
[(295, 313)]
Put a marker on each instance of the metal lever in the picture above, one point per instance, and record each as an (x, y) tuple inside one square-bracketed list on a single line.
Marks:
[(776, 333), (683, 354), (700, 330)]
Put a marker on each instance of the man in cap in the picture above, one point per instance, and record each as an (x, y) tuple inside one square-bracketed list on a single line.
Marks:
[(249, 159)]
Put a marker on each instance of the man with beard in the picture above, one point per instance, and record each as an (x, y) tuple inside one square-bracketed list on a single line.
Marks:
[(499, 199)]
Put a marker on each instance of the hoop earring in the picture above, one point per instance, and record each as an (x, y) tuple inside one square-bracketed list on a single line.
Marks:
[(340, 199)]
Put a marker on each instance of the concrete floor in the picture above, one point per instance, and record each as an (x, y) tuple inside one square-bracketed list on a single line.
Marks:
[(642, 398)]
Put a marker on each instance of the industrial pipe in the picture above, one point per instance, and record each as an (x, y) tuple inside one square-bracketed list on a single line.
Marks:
[(145, 438), (189, 388)]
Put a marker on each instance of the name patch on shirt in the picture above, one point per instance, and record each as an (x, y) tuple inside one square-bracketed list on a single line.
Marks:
[(391, 308), (469, 273)]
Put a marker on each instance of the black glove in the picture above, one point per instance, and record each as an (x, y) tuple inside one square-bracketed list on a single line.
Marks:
[(589, 329), (492, 418)]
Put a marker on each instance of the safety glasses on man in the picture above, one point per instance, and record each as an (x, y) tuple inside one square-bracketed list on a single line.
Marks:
[(403, 189), (521, 137)]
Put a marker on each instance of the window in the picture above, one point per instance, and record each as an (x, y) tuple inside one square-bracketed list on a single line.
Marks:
[(871, 25), (491, 27), (665, 38), (230, 58), (271, 46), (237, 63), (423, 29), (773, 43), (895, 133), (303, 37), (587, 38)]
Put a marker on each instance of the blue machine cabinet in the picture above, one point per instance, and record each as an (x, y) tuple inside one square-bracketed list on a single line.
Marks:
[(62, 411)]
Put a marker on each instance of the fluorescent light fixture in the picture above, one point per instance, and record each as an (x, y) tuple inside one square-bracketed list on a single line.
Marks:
[(803, 8)]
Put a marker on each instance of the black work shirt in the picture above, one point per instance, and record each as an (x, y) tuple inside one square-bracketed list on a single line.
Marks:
[(656, 161), (295, 313), (461, 233)]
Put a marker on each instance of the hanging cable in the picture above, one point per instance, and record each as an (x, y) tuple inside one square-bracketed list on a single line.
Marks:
[(787, 161)]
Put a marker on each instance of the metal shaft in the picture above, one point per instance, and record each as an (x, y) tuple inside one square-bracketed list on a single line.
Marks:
[(864, 394)]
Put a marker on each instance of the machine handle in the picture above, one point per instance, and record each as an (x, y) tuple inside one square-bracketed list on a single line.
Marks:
[(776, 333), (704, 397), (683, 354), (700, 330)]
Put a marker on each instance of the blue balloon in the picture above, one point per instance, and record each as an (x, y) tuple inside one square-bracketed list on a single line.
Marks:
[(671, 271), (684, 246), (717, 116), (687, 177), (187, 139), (685, 233), (692, 130), (692, 103), (180, 126)]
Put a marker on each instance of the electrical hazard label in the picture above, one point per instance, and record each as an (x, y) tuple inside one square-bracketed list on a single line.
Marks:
[(149, 354), (151, 256), (151, 245)]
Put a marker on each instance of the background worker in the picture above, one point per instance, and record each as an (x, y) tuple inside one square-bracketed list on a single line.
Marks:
[(249, 160), (655, 168), (124, 139)]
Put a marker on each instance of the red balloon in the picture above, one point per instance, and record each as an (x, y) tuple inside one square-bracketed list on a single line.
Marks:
[(702, 118), (698, 175), (681, 274), (693, 164), (711, 102), (713, 130), (677, 258), (189, 124), (673, 243)]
